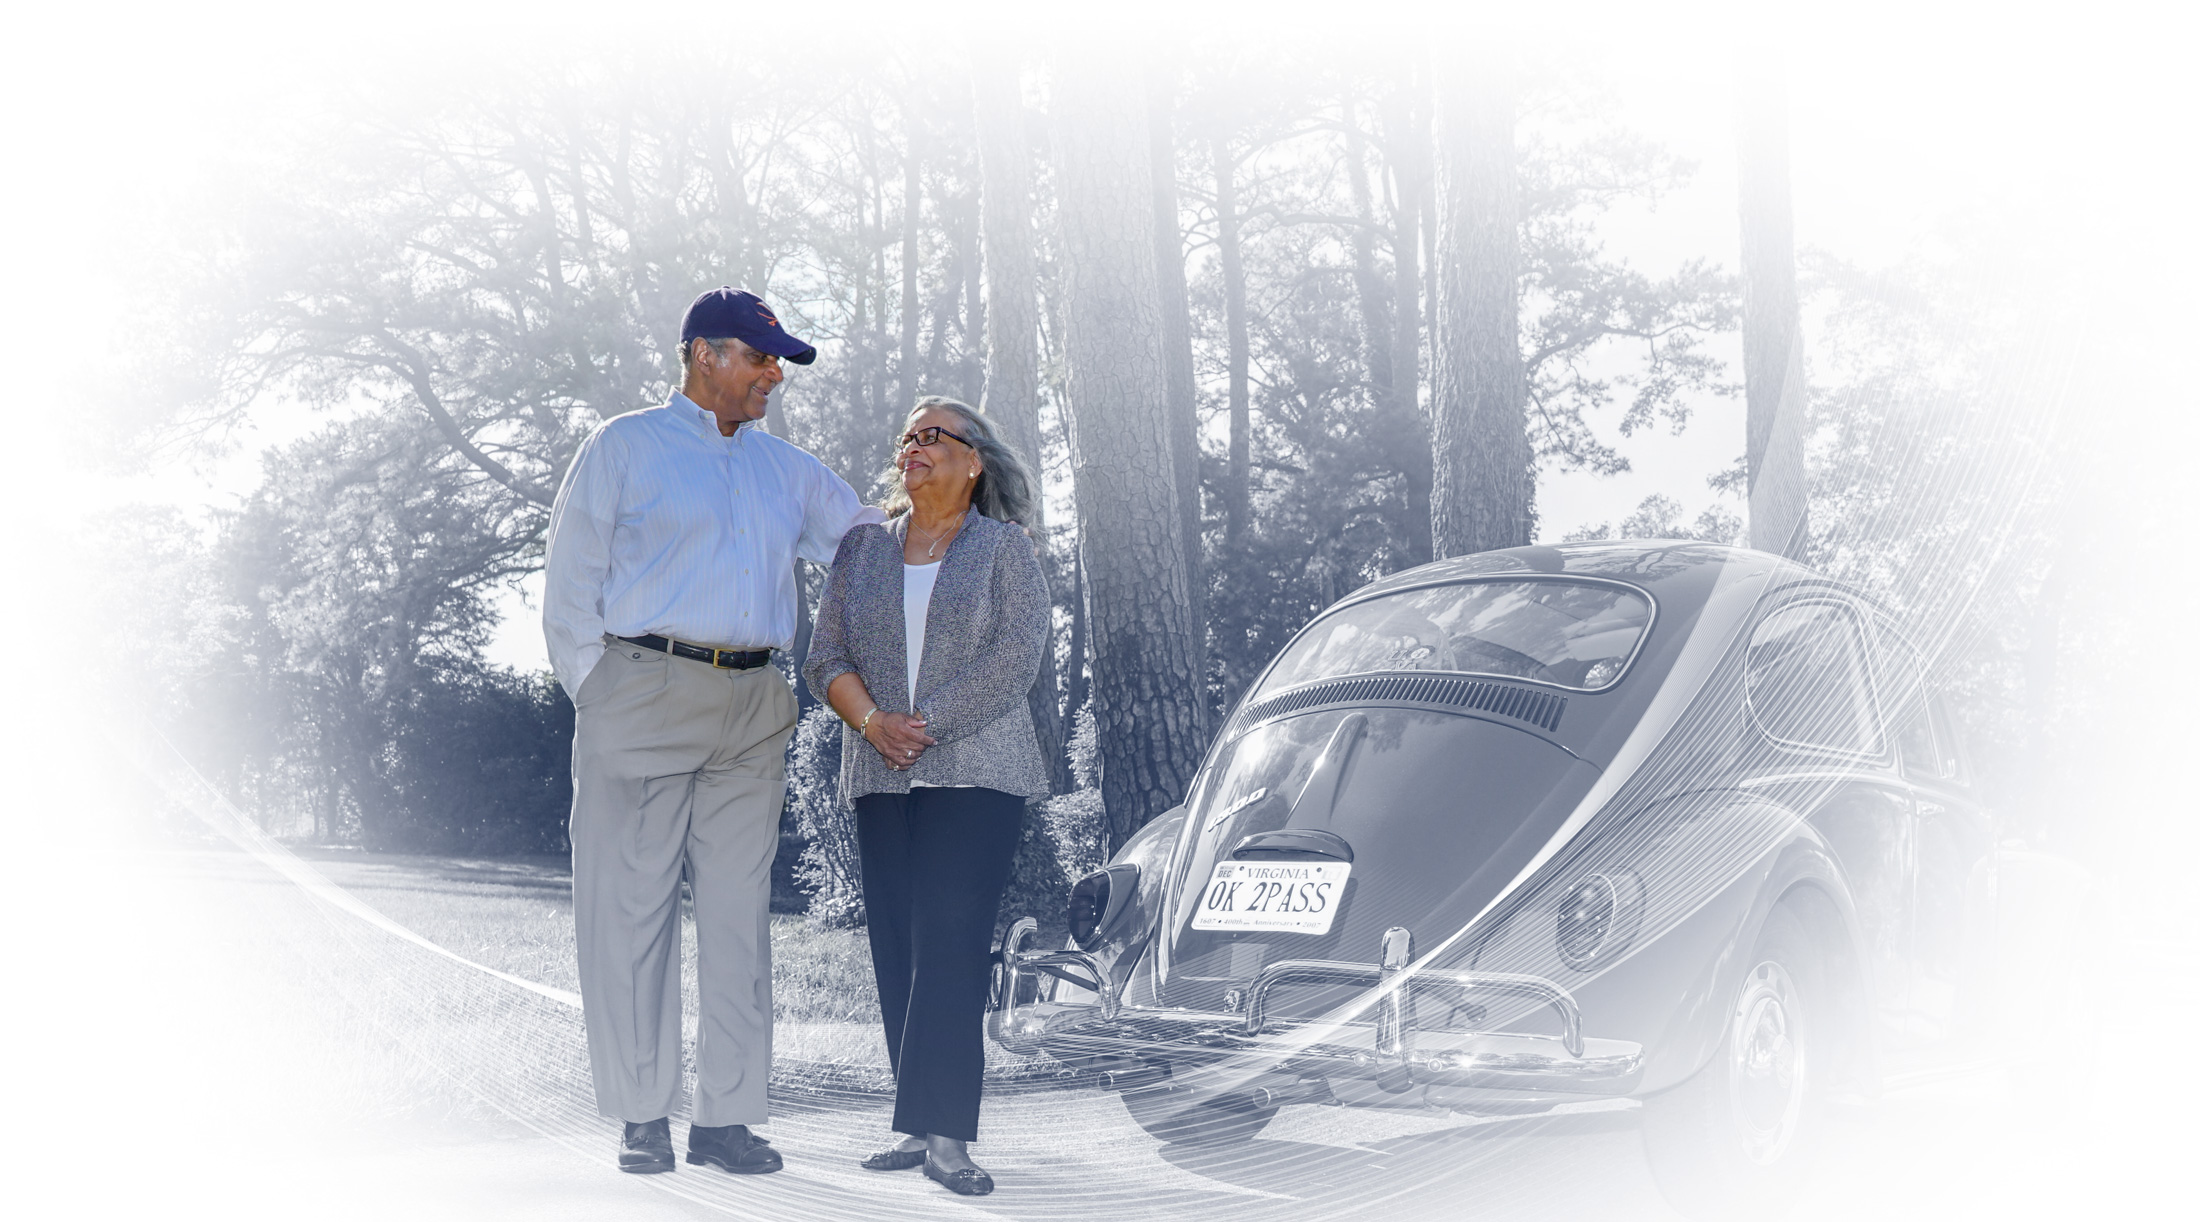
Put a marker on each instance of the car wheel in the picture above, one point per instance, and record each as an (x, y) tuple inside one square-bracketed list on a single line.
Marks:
[(1737, 1139), (1176, 1115)]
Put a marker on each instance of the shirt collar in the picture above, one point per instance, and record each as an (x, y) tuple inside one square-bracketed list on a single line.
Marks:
[(705, 424)]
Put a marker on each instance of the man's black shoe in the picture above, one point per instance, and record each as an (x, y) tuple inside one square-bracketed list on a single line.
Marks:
[(733, 1147), (647, 1147)]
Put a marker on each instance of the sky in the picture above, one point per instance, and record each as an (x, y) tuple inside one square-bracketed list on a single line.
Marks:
[(2057, 137)]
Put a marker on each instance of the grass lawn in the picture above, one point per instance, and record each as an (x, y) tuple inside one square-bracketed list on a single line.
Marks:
[(516, 915)]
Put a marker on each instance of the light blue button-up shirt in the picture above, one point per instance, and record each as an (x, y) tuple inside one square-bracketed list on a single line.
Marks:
[(666, 526)]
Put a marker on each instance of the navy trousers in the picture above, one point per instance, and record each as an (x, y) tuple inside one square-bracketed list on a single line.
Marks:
[(934, 864)]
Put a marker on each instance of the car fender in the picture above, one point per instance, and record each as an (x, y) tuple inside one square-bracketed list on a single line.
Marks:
[(1801, 873), (1707, 865), (1151, 849)]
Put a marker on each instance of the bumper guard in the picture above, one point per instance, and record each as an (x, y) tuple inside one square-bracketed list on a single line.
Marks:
[(1393, 1052)]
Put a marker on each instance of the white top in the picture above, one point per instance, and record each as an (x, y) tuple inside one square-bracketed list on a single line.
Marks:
[(666, 526), (916, 599), (917, 581)]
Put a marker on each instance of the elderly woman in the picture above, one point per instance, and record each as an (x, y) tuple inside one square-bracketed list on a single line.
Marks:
[(927, 643)]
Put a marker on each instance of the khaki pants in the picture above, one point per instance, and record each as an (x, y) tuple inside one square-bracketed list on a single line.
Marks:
[(679, 768)]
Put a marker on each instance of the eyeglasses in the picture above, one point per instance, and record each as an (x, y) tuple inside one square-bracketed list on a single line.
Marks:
[(928, 436)]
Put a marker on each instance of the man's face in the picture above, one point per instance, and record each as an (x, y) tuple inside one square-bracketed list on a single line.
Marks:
[(740, 377)]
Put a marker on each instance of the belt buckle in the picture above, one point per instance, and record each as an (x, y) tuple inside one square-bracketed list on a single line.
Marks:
[(718, 659)]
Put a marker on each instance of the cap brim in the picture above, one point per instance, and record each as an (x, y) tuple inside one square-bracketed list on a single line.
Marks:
[(785, 347)]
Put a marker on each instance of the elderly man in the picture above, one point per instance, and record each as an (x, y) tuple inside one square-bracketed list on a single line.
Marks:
[(670, 580)]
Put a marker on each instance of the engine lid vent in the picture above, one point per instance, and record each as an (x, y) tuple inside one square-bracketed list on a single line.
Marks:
[(1540, 709)]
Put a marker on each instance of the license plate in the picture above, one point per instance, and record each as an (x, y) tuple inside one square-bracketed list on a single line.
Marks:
[(1286, 897)]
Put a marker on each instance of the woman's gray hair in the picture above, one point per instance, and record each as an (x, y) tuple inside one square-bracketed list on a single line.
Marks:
[(1005, 489)]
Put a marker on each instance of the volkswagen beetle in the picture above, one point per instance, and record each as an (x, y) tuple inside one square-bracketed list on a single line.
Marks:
[(1665, 821)]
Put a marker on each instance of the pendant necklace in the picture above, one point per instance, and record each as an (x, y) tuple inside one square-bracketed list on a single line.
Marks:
[(934, 549)]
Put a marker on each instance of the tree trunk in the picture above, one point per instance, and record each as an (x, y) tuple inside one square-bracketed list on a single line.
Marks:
[(1080, 684), (1237, 495), (867, 373), (912, 215), (1772, 325), (1482, 494), (969, 262), (1176, 355), (1012, 333), (1431, 302), (1144, 659), (1402, 431), (1409, 151), (1011, 263), (1367, 283)]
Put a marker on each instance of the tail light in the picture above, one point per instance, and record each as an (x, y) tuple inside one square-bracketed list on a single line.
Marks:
[(1598, 918)]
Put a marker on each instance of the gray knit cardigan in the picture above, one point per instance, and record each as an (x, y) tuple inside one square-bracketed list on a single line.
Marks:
[(983, 634)]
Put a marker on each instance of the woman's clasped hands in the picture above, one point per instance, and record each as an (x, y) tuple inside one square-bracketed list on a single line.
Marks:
[(899, 738)]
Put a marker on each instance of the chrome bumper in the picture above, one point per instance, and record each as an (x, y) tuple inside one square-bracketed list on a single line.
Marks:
[(1150, 1042)]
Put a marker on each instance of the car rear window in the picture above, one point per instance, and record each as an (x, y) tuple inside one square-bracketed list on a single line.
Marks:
[(1570, 633)]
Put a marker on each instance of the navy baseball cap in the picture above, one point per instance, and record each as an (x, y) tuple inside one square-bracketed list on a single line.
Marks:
[(726, 311)]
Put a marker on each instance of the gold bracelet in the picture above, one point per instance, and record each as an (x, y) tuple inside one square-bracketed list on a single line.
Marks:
[(866, 722)]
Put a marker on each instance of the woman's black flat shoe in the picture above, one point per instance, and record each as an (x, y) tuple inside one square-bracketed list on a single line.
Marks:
[(894, 1160), (969, 1181)]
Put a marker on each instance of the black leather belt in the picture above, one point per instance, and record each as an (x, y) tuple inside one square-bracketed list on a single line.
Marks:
[(724, 659)]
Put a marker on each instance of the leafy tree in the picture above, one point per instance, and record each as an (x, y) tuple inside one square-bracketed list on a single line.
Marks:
[(1659, 517), (339, 621), (1585, 313), (829, 869), (1937, 423), (1076, 821), (478, 761), (466, 278), (1335, 470)]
